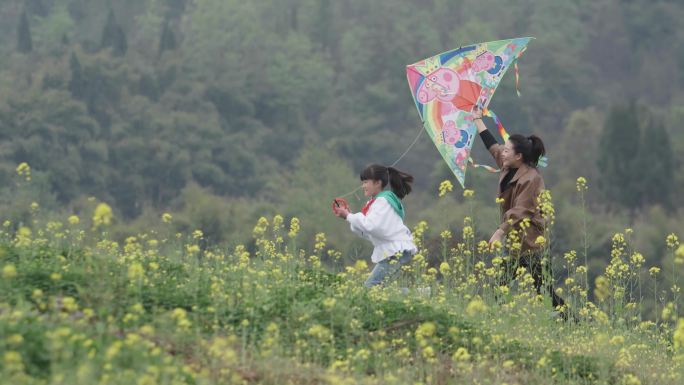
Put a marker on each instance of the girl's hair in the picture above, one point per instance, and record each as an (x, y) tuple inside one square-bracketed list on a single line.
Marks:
[(531, 148), (399, 181)]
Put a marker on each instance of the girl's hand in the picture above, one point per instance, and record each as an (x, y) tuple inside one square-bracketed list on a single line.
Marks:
[(341, 212), (497, 236)]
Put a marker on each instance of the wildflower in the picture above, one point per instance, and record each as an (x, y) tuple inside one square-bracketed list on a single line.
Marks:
[(320, 332), (476, 306), (445, 187), (468, 232), (679, 255), (329, 303), (678, 336), (444, 268), (180, 316), (461, 354), (468, 193), (166, 218), (103, 215), (192, 249), (55, 276), (136, 271), (294, 227), (420, 229), (34, 206), (426, 330), (23, 169), (602, 291), (9, 271), (15, 339), (319, 243), (630, 379), (73, 220), (540, 240), (654, 271), (446, 234), (581, 184), (637, 259), (672, 241), (499, 201), (197, 234), (260, 227)]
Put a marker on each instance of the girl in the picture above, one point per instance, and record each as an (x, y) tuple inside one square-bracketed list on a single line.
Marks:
[(381, 221), (520, 184)]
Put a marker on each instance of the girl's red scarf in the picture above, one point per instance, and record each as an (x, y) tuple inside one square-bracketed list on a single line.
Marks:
[(367, 206)]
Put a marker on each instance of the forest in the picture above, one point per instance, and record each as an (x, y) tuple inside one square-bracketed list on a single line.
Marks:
[(222, 111)]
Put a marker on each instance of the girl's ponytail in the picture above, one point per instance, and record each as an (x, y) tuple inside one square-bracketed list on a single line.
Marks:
[(400, 182)]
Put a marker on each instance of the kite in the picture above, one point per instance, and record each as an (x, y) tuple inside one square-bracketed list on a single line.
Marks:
[(447, 87)]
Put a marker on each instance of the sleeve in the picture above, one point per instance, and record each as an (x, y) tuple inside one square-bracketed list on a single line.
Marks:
[(374, 223), (487, 138), (524, 206), (358, 231), (494, 148)]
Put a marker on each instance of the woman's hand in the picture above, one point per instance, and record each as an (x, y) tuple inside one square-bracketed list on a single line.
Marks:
[(477, 113), (341, 212), (497, 236)]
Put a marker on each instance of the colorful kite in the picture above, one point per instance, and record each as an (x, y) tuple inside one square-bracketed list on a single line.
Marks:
[(448, 86)]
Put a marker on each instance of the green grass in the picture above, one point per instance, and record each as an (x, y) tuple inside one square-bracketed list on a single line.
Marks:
[(87, 311)]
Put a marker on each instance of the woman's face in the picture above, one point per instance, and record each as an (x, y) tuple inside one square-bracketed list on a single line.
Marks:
[(509, 157), (371, 187)]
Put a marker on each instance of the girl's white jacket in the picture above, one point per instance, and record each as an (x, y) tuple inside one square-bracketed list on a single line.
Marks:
[(384, 228)]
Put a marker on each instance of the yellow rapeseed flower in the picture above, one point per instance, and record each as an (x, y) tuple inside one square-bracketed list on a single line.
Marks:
[(136, 271), (476, 306), (73, 219), (103, 215), (9, 271), (23, 169), (294, 227), (445, 187), (581, 184), (467, 193), (672, 241), (166, 218)]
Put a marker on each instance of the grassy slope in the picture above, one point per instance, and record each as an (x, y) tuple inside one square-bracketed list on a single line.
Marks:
[(77, 310)]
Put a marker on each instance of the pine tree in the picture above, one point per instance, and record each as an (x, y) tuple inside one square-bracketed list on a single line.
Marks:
[(76, 82), (113, 36), (656, 162), (36, 7), (24, 41), (167, 41), (618, 158)]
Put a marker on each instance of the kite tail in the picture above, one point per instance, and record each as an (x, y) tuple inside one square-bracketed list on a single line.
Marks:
[(502, 130)]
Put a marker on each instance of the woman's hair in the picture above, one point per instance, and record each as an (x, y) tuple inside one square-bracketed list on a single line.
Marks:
[(531, 148), (399, 181)]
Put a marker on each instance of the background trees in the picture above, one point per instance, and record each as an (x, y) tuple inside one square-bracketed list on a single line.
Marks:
[(158, 105)]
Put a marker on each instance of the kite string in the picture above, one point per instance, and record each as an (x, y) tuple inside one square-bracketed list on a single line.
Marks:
[(420, 132)]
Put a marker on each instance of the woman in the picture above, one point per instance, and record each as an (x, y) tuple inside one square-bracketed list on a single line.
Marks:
[(520, 184)]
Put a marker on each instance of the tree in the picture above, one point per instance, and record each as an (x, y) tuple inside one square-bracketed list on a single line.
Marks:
[(113, 36), (24, 40), (618, 159), (167, 41), (656, 163)]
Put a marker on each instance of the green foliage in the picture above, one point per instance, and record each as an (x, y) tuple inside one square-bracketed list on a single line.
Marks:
[(24, 41), (228, 97)]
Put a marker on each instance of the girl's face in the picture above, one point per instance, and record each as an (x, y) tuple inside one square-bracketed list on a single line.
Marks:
[(509, 156), (371, 187)]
